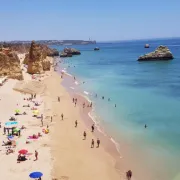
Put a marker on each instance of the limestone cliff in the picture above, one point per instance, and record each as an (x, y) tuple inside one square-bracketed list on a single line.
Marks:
[(35, 59), (10, 65)]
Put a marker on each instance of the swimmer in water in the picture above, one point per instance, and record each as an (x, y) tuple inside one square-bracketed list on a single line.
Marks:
[(115, 105), (145, 126), (108, 99)]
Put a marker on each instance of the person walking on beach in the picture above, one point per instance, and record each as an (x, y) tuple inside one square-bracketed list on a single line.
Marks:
[(42, 119), (98, 143), (51, 118), (90, 105), (76, 123), (84, 134), (58, 99), (34, 96), (73, 100), (129, 174), (36, 155), (62, 116), (4, 130), (83, 105), (92, 128), (92, 143), (74, 78), (75, 103)]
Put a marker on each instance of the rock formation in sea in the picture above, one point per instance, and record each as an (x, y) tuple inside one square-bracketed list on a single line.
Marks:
[(69, 52), (161, 53), (10, 64)]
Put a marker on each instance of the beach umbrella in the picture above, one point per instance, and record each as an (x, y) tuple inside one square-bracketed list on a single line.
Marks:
[(23, 151), (17, 111), (35, 175), (11, 123), (35, 112)]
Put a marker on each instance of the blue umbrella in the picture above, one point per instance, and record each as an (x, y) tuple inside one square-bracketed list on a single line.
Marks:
[(11, 123), (35, 175)]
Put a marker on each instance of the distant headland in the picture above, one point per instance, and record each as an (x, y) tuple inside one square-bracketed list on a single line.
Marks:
[(53, 42)]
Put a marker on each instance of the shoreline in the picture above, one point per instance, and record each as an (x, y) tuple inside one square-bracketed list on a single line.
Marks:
[(72, 137)]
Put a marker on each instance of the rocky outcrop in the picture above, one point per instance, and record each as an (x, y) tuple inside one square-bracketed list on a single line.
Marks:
[(69, 52), (10, 65), (161, 53)]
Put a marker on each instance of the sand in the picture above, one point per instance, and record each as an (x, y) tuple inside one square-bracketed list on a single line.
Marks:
[(63, 154)]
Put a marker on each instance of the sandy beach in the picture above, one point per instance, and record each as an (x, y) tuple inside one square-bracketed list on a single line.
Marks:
[(63, 154)]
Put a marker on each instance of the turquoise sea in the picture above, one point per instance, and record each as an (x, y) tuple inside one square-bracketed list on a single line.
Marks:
[(144, 92)]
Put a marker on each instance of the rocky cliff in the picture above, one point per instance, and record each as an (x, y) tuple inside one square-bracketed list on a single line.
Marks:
[(10, 65), (35, 58), (161, 53)]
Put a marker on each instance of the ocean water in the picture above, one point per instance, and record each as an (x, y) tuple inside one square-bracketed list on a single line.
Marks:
[(144, 93)]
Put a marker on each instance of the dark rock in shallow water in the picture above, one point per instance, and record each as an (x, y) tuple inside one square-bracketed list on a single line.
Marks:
[(161, 53), (96, 49), (72, 51), (146, 46), (69, 52)]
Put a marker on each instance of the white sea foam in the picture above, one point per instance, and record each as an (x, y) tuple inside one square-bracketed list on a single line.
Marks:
[(72, 87), (85, 92), (117, 145), (76, 83)]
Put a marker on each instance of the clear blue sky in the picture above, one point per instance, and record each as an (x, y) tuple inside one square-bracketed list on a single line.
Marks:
[(81, 19)]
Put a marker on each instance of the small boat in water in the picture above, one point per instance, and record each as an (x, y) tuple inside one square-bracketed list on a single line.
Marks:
[(96, 49), (146, 46)]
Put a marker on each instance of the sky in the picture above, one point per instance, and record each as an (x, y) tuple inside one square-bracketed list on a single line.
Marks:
[(100, 20)]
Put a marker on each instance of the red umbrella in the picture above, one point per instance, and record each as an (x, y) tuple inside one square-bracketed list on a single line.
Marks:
[(23, 151)]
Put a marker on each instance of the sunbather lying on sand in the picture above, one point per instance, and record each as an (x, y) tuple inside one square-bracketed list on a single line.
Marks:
[(9, 151), (26, 105), (8, 143), (12, 118), (24, 113), (21, 158)]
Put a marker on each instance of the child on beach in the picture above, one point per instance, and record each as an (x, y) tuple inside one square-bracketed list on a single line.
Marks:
[(36, 155), (62, 116), (92, 143), (84, 134), (76, 123)]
